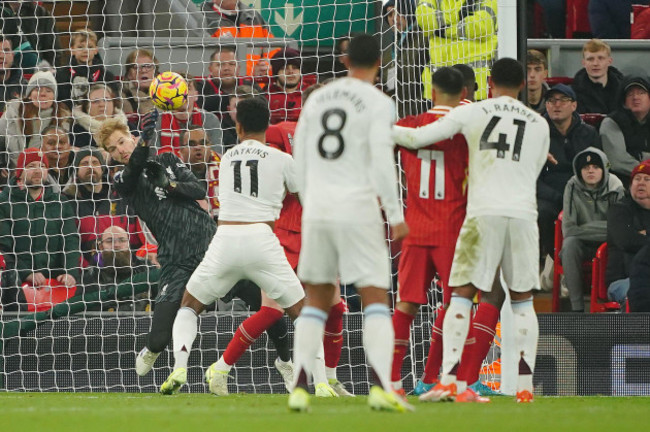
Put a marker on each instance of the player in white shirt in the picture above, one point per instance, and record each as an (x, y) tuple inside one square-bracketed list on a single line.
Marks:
[(253, 180), (344, 163), (508, 146)]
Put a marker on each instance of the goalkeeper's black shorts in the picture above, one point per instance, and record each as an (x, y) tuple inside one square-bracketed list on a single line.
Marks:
[(173, 279)]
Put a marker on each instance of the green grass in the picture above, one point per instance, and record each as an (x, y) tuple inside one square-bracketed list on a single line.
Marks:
[(118, 412)]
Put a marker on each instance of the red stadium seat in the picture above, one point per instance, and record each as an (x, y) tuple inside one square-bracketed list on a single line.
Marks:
[(594, 119), (599, 300), (577, 18), (45, 297), (551, 81), (640, 18)]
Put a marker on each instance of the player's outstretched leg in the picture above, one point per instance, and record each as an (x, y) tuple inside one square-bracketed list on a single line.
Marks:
[(185, 329), (526, 336), (159, 336), (333, 344)]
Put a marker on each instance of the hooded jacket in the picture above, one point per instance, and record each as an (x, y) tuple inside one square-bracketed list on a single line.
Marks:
[(553, 178), (85, 127), (76, 79), (594, 97), (585, 209)]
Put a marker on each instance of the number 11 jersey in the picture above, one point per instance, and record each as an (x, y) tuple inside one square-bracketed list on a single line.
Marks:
[(344, 155)]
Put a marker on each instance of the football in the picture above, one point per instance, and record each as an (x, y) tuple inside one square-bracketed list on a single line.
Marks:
[(168, 91)]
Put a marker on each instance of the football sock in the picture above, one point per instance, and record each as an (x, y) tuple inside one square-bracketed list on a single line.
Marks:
[(184, 333), (318, 373), (434, 358), (454, 333), (308, 336), (526, 335), (479, 340), (333, 340), (402, 328), (279, 335), (378, 341), (222, 365), (249, 331)]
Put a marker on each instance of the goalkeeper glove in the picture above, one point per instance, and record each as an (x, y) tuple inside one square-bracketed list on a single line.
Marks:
[(157, 175), (148, 127)]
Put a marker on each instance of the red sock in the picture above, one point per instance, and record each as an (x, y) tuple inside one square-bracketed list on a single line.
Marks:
[(434, 358), (333, 339), (479, 339), (402, 327), (249, 331)]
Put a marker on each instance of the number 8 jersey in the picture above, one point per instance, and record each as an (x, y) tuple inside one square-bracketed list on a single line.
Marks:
[(344, 155), (508, 146), (253, 179)]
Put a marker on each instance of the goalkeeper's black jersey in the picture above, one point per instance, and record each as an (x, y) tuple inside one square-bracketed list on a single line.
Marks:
[(182, 228)]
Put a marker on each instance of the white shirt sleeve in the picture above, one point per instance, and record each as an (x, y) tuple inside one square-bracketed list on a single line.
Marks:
[(442, 129), (383, 167), (290, 174)]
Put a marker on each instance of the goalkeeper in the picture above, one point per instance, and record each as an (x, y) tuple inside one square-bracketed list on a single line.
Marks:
[(165, 195)]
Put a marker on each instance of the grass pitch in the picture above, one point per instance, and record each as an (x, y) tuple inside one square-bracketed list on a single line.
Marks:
[(119, 412)]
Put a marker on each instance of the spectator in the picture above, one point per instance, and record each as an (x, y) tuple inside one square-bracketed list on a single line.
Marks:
[(610, 19), (569, 136), (84, 70), (37, 229), (96, 206), (24, 120), (141, 69), (171, 124), (58, 152), (118, 264), (11, 77), (228, 122), (587, 197), (597, 83), (233, 18), (285, 91), (537, 72), (197, 152), (626, 131), (554, 17), (341, 61), (628, 249), (216, 90), (100, 104)]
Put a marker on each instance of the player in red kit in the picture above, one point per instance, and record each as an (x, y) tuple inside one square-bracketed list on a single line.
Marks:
[(435, 209)]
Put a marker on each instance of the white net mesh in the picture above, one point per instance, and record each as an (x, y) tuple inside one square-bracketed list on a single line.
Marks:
[(59, 83)]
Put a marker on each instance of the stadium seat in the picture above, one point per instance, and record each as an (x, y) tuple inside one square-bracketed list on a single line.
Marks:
[(599, 300), (640, 18), (43, 298), (593, 119), (551, 81), (577, 18)]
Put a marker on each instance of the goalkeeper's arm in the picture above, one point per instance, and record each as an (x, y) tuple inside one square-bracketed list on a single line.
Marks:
[(186, 185)]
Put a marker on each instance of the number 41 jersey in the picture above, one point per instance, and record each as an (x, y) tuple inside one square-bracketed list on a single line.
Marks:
[(253, 179), (344, 155)]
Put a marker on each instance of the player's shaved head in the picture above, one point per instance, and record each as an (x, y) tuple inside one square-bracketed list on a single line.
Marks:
[(253, 115), (448, 80), (507, 73), (364, 51)]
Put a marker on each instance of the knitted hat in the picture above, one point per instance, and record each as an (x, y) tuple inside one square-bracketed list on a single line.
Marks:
[(284, 57), (588, 158), (642, 168), (41, 79), (28, 156), (88, 151)]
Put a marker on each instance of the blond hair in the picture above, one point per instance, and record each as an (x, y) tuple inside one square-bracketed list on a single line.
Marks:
[(107, 129), (595, 45), (85, 34)]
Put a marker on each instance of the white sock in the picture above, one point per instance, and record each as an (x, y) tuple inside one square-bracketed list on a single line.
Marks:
[(454, 332), (378, 341), (222, 365), (397, 385), (330, 373), (319, 373), (184, 333), (308, 336), (526, 336)]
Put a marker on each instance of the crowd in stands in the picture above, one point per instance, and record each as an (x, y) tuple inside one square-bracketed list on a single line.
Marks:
[(77, 231)]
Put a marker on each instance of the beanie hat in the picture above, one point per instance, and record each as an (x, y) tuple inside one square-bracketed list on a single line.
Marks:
[(284, 57), (588, 158), (642, 168), (88, 151), (42, 79), (28, 156)]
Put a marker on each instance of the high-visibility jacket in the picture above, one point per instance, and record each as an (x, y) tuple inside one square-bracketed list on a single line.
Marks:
[(459, 31)]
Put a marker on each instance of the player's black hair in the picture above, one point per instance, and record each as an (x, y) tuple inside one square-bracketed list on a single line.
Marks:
[(253, 114), (469, 77), (508, 73), (364, 51), (448, 80)]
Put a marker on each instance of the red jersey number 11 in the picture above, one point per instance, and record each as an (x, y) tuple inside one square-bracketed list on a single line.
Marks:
[(426, 156)]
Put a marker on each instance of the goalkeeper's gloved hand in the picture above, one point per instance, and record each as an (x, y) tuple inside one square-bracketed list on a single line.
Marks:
[(148, 127), (157, 175)]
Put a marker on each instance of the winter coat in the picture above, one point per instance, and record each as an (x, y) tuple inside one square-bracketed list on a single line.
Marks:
[(610, 19), (585, 210), (285, 106), (593, 97), (85, 127), (12, 88), (553, 178), (41, 234), (75, 80)]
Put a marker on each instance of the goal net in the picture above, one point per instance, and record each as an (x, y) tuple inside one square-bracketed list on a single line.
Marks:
[(62, 80)]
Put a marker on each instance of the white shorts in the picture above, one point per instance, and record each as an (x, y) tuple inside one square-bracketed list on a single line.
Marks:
[(250, 252), (486, 243), (357, 253)]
